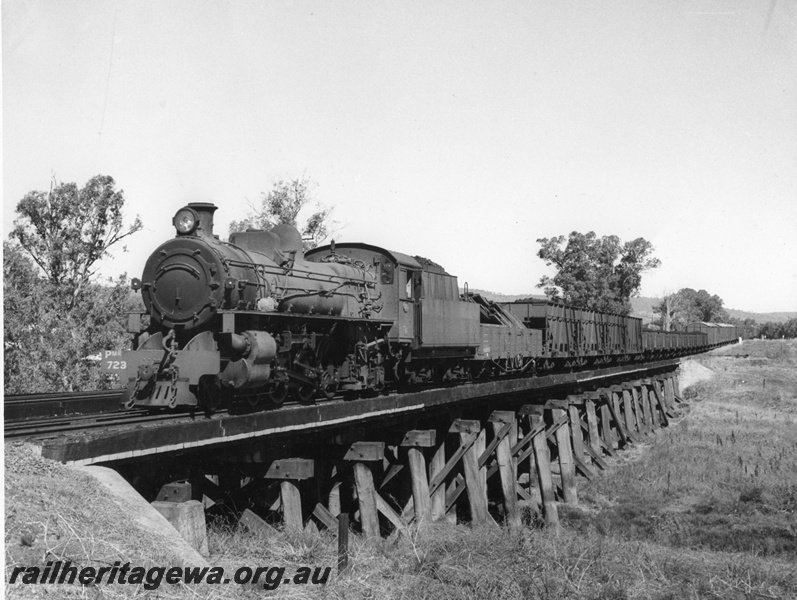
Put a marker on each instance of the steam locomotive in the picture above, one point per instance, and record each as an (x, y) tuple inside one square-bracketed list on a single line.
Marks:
[(256, 320)]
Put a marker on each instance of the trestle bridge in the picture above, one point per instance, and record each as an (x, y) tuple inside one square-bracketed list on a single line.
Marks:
[(479, 452)]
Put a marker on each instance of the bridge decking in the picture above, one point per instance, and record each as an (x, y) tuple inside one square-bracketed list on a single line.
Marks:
[(140, 441)]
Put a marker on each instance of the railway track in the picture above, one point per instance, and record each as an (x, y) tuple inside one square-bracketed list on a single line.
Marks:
[(36, 406), (28, 415), (51, 414), (66, 416), (53, 425)]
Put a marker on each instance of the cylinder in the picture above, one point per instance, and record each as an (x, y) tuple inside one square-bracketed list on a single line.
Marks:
[(253, 369)]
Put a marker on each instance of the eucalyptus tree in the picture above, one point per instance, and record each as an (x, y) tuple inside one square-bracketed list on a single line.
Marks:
[(283, 205), (596, 273)]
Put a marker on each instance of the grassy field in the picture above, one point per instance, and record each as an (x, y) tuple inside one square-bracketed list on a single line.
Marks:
[(725, 478), (706, 508)]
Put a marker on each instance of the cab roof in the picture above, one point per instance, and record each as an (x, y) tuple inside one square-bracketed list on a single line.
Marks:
[(397, 257)]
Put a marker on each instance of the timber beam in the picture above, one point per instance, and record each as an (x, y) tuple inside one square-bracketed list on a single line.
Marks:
[(445, 467)]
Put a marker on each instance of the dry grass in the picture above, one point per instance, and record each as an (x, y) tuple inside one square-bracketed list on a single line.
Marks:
[(723, 479), (444, 561), (55, 513), (706, 509)]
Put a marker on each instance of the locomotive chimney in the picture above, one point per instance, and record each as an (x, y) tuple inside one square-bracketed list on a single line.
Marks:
[(205, 211)]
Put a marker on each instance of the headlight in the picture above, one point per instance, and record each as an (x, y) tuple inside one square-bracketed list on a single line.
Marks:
[(185, 221)]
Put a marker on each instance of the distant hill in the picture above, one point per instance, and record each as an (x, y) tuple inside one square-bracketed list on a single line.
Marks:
[(774, 317), (643, 307), (495, 297)]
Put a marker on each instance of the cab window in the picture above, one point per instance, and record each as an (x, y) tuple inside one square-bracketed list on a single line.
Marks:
[(387, 272)]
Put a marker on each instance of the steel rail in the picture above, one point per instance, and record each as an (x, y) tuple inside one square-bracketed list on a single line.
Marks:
[(96, 421), (12, 399), (103, 445), (31, 406)]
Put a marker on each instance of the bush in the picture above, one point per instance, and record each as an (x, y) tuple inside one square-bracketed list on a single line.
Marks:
[(50, 335)]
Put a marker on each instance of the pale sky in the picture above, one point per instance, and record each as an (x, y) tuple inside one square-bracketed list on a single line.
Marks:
[(461, 131)]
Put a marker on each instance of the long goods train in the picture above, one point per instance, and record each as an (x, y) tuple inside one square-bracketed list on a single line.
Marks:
[(256, 319)]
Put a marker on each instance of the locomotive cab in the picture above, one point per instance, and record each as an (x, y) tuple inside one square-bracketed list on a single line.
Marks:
[(394, 275), (419, 297)]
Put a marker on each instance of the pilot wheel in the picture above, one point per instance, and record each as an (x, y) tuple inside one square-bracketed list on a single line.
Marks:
[(210, 394)]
